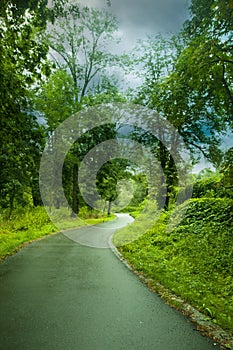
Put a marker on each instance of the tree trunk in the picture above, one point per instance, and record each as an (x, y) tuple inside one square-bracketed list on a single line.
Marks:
[(109, 207), (12, 198), (169, 178), (75, 207), (163, 197), (35, 190)]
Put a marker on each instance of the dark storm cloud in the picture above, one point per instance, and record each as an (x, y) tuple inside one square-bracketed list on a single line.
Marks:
[(151, 15), (137, 18)]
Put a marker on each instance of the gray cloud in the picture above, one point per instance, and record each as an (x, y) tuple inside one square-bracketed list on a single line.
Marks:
[(151, 15), (137, 18)]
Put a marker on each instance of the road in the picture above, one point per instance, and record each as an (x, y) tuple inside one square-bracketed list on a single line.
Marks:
[(59, 294)]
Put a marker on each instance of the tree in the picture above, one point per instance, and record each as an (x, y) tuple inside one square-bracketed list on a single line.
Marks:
[(79, 42), (55, 99), (107, 178), (207, 60), (19, 163), (22, 61), (56, 102), (158, 58), (172, 88), (214, 15), (154, 60), (87, 142)]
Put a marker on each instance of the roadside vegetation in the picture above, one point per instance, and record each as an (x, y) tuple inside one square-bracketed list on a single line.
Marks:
[(28, 224), (195, 260)]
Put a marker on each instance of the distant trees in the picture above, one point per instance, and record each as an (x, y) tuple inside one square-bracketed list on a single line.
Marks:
[(108, 177)]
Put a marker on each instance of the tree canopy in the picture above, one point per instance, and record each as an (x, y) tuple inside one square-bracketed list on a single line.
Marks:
[(79, 41), (23, 60), (56, 59)]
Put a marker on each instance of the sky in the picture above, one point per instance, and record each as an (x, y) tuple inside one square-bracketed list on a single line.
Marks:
[(138, 18)]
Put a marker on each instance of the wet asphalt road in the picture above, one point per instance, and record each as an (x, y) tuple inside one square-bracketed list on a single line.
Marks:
[(59, 294)]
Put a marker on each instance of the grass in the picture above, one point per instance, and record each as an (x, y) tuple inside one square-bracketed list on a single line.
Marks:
[(194, 261), (27, 225)]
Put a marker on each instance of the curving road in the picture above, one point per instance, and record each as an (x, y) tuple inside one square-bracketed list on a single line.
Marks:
[(57, 293)]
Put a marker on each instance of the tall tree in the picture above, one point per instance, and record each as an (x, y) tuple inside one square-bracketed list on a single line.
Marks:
[(157, 61), (173, 87), (22, 62), (79, 42)]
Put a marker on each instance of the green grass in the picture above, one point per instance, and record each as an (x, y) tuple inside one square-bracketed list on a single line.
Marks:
[(27, 225), (194, 261)]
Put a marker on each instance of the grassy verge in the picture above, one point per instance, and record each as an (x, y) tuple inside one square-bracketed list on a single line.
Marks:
[(30, 224), (194, 261)]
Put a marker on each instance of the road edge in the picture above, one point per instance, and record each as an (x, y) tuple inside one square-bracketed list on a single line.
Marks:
[(202, 322)]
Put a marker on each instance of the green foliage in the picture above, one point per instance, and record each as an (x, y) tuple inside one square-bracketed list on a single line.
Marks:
[(56, 99), (208, 35), (28, 224), (38, 7), (154, 65), (195, 260), (105, 91), (145, 215), (108, 176), (23, 60), (188, 78), (207, 184), (20, 166), (80, 38), (140, 192), (168, 91), (215, 184), (24, 225), (226, 169)]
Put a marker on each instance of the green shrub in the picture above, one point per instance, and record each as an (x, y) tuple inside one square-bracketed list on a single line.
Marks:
[(195, 259), (28, 224)]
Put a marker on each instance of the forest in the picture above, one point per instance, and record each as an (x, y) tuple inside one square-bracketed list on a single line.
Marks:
[(56, 61)]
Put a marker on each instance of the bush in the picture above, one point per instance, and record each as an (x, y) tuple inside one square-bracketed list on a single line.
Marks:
[(28, 224), (194, 260)]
